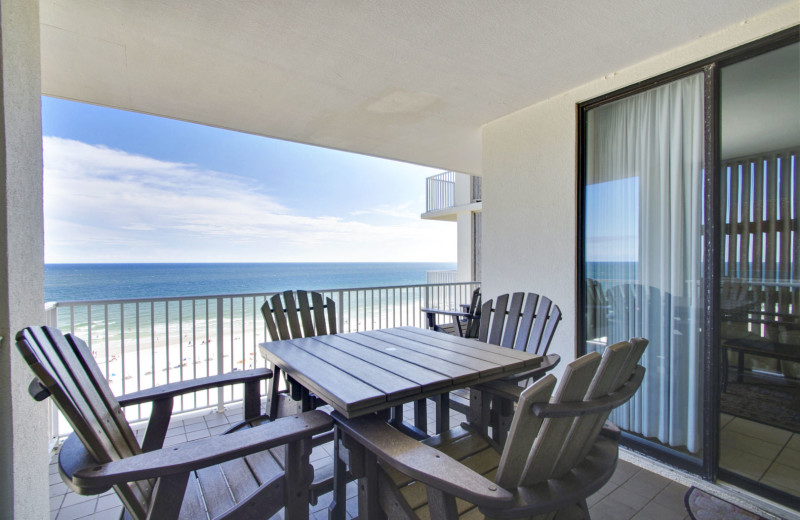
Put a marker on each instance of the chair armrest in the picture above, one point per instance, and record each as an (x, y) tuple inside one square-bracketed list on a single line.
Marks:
[(193, 385), (421, 462), (203, 452), (503, 389), (460, 314), (508, 388)]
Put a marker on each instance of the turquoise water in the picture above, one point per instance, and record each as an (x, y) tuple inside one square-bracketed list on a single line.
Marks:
[(80, 282)]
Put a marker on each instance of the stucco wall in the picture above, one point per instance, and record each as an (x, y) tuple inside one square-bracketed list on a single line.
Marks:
[(529, 177), (23, 422)]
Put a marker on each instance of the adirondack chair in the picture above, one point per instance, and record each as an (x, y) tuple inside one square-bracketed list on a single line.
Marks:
[(227, 476), (529, 327), (465, 322), (525, 323), (288, 317), (559, 451), (291, 315)]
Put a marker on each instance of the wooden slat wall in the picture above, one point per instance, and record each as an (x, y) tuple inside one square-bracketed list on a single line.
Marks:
[(761, 197)]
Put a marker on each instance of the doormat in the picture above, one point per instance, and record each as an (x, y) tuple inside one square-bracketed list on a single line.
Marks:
[(702, 506), (775, 405)]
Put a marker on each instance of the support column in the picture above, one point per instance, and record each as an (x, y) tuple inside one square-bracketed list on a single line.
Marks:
[(24, 486)]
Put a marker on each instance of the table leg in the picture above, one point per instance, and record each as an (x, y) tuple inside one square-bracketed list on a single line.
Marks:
[(421, 414), (273, 390), (336, 511), (442, 412)]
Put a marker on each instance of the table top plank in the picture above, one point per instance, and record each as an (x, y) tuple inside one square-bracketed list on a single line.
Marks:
[(485, 351), (421, 374), (384, 379), (451, 355), (333, 385), (460, 342), (457, 373)]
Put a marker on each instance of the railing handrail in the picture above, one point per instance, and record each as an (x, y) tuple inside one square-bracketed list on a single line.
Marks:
[(241, 295)]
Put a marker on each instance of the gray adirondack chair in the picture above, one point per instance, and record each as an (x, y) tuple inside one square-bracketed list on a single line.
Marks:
[(291, 315), (261, 468), (558, 453), (528, 324), (464, 322)]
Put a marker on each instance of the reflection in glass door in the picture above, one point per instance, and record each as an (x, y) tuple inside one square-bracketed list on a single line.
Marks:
[(760, 278), (643, 253)]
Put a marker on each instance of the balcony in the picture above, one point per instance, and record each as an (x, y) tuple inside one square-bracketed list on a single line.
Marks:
[(451, 193), (141, 343)]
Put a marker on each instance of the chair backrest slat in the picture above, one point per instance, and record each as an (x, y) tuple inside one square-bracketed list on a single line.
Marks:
[(290, 316), (496, 330), (319, 314), (65, 366), (512, 320), (279, 315), (524, 429), (305, 314), (526, 323), (331, 316)]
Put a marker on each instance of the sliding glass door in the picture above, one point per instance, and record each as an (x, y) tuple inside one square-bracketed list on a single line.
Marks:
[(689, 235), (760, 279)]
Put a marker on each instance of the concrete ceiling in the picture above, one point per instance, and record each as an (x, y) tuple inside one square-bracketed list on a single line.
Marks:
[(412, 80)]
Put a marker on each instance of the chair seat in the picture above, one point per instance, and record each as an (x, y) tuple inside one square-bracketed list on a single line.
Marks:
[(472, 449), (216, 490)]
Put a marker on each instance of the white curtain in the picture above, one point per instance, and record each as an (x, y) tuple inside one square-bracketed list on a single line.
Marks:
[(648, 149)]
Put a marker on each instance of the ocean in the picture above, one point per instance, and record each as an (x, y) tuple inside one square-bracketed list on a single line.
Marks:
[(83, 282)]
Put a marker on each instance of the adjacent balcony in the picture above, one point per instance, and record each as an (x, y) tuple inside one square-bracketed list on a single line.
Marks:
[(451, 193)]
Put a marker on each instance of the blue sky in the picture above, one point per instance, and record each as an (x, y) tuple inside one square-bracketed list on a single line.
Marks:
[(127, 187)]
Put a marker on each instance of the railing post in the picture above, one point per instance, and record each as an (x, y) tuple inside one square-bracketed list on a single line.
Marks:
[(220, 365), (340, 316), (51, 314)]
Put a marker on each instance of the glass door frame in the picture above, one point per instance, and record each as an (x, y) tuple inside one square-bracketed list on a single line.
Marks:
[(708, 466)]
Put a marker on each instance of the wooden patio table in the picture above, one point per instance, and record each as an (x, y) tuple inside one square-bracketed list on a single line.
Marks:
[(378, 371)]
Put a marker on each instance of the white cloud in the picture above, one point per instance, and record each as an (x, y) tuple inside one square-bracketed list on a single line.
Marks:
[(106, 205)]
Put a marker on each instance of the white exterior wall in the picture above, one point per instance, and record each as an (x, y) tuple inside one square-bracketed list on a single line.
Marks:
[(23, 422), (530, 174), (464, 231)]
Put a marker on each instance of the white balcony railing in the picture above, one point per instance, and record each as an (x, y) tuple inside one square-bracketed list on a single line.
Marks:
[(440, 191), (141, 343)]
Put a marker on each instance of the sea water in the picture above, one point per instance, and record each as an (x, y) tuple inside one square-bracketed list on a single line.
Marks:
[(81, 282)]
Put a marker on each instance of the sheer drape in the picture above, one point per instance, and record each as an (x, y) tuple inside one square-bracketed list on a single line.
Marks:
[(648, 149)]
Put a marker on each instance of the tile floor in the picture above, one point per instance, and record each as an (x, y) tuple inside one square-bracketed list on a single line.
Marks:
[(632, 493), (761, 452)]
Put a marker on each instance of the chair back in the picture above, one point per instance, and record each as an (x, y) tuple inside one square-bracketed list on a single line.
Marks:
[(530, 328), (65, 367), (549, 438), (305, 315)]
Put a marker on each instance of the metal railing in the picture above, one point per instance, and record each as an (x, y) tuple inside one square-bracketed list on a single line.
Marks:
[(440, 191), (142, 343)]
